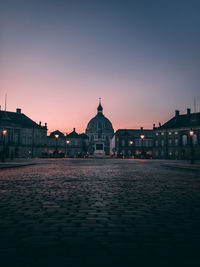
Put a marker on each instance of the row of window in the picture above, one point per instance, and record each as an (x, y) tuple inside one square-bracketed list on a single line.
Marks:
[(62, 142), (170, 143), (138, 143), (169, 133), (184, 141), (137, 152), (170, 153)]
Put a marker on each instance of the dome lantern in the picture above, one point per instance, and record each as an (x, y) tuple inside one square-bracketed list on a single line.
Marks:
[(100, 108)]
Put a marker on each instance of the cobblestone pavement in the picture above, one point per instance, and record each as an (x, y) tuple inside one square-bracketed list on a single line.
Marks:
[(87, 212)]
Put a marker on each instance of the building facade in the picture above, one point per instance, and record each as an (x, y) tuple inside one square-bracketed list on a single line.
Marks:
[(100, 132), (130, 143), (72, 145), (76, 145), (56, 146), (20, 136), (178, 138)]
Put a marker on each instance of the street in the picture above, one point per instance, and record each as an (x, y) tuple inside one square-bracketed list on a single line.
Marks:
[(99, 212)]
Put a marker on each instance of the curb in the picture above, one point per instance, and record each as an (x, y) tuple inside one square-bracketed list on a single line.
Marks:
[(184, 168), (16, 166)]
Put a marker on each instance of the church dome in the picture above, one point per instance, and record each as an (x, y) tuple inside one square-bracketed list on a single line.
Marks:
[(99, 123)]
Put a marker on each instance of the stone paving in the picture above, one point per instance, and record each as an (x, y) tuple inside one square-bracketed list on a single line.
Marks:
[(87, 212)]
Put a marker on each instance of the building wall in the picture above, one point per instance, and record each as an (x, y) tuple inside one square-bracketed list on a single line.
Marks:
[(55, 147), (22, 142), (129, 144), (77, 147), (66, 147), (176, 143)]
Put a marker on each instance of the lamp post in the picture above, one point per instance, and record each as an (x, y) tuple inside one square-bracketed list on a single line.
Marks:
[(191, 133), (56, 136), (131, 144), (67, 142), (4, 132), (142, 138)]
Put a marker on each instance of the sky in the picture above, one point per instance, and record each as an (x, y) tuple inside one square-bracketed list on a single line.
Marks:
[(58, 57)]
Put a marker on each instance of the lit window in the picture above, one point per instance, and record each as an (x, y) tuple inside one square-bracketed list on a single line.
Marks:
[(184, 140), (176, 142), (170, 133), (156, 142), (176, 132), (162, 133), (157, 134), (194, 139)]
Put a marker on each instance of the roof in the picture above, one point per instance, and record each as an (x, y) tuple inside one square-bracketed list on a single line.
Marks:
[(99, 123), (180, 121), (8, 118), (73, 134), (84, 136), (134, 132), (93, 124), (57, 132)]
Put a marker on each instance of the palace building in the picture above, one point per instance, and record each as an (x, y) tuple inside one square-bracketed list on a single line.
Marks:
[(178, 138), (100, 131), (133, 143), (20, 136)]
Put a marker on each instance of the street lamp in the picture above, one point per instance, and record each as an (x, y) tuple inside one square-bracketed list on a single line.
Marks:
[(131, 144), (142, 138), (56, 136), (191, 133), (67, 142), (4, 132)]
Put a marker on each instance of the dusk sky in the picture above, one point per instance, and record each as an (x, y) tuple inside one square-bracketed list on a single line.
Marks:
[(58, 57)]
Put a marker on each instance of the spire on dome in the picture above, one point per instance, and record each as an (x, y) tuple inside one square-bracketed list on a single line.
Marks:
[(99, 109)]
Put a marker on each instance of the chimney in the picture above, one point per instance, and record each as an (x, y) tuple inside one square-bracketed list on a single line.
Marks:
[(45, 124), (18, 110), (141, 128), (159, 124), (188, 111), (177, 113), (74, 129), (40, 123), (154, 126)]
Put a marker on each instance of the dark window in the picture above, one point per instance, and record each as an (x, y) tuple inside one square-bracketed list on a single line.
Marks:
[(99, 146)]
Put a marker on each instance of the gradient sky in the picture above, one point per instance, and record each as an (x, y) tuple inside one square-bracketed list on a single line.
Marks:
[(58, 57)]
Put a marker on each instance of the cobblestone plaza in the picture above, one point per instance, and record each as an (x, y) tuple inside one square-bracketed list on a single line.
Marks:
[(99, 212)]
